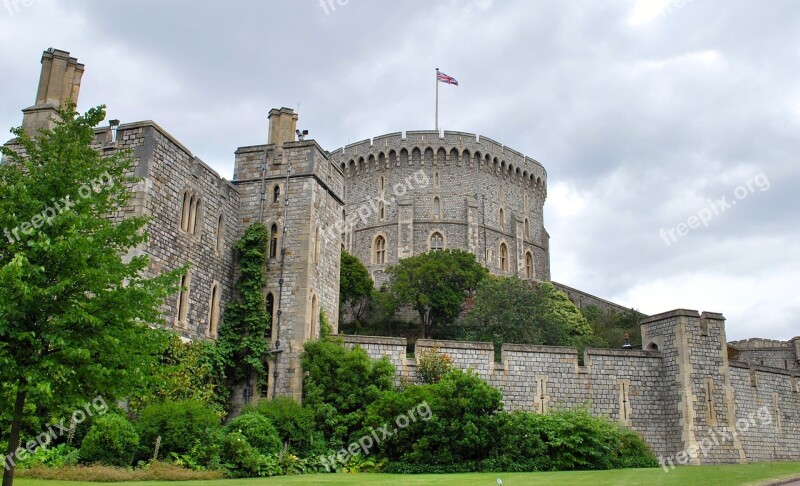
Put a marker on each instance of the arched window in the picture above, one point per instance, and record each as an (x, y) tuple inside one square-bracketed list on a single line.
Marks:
[(191, 218), (382, 183), (503, 257), (436, 179), (502, 217), (437, 242), (185, 211), (381, 211), (197, 218), (437, 208), (527, 228), (213, 313), (528, 265), (273, 241), (220, 235), (380, 250), (183, 299), (276, 193)]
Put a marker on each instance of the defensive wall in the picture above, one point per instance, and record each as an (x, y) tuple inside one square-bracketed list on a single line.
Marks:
[(680, 393)]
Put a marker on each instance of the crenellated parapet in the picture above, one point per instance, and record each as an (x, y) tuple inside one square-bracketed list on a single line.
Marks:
[(428, 148)]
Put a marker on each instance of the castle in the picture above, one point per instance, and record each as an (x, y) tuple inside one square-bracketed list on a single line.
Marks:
[(694, 397)]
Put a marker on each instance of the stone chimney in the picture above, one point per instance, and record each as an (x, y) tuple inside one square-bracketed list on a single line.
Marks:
[(282, 126), (59, 81)]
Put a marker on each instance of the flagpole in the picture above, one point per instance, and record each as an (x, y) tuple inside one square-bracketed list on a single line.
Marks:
[(437, 99)]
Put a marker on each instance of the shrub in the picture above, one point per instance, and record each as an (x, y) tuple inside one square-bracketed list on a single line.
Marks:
[(51, 456), (258, 430), (179, 424), (433, 365), (240, 458), (295, 424), (519, 446), (565, 440), (454, 427), (633, 451), (339, 385), (112, 441)]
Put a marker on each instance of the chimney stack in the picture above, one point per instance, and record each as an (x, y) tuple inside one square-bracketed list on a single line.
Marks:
[(59, 81), (282, 126)]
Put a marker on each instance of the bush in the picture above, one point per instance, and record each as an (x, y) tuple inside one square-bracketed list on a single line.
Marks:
[(563, 441), (112, 441), (241, 459), (519, 446), (454, 427), (51, 456), (634, 452), (433, 365), (258, 430), (179, 424), (339, 385), (295, 425)]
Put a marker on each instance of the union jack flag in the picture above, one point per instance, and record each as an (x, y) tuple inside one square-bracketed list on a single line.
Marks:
[(443, 78)]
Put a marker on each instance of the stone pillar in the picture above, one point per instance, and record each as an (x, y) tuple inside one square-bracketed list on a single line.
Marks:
[(473, 227), (405, 227), (59, 81), (519, 244), (694, 349)]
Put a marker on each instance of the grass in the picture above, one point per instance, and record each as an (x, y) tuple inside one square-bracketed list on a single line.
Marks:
[(735, 475)]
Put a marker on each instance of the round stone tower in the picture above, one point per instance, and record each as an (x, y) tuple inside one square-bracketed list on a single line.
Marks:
[(407, 194)]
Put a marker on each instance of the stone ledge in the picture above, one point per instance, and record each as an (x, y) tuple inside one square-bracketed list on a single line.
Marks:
[(766, 369), (634, 353), (358, 339), (668, 314), (431, 343), (533, 348)]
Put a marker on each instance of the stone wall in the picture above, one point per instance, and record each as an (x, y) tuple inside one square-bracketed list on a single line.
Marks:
[(680, 393), (767, 402), (583, 299), (769, 352), (624, 386), (168, 170)]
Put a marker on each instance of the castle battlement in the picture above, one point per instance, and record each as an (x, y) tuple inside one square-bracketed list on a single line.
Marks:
[(429, 147)]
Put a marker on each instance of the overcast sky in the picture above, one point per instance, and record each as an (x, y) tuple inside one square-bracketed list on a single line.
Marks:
[(647, 114)]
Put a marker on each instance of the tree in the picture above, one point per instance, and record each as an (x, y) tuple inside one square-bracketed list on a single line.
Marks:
[(243, 341), (355, 288), (73, 314), (435, 284), (613, 326), (556, 308), (509, 310)]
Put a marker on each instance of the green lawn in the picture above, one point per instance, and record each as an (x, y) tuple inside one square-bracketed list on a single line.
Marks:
[(748, 474)]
